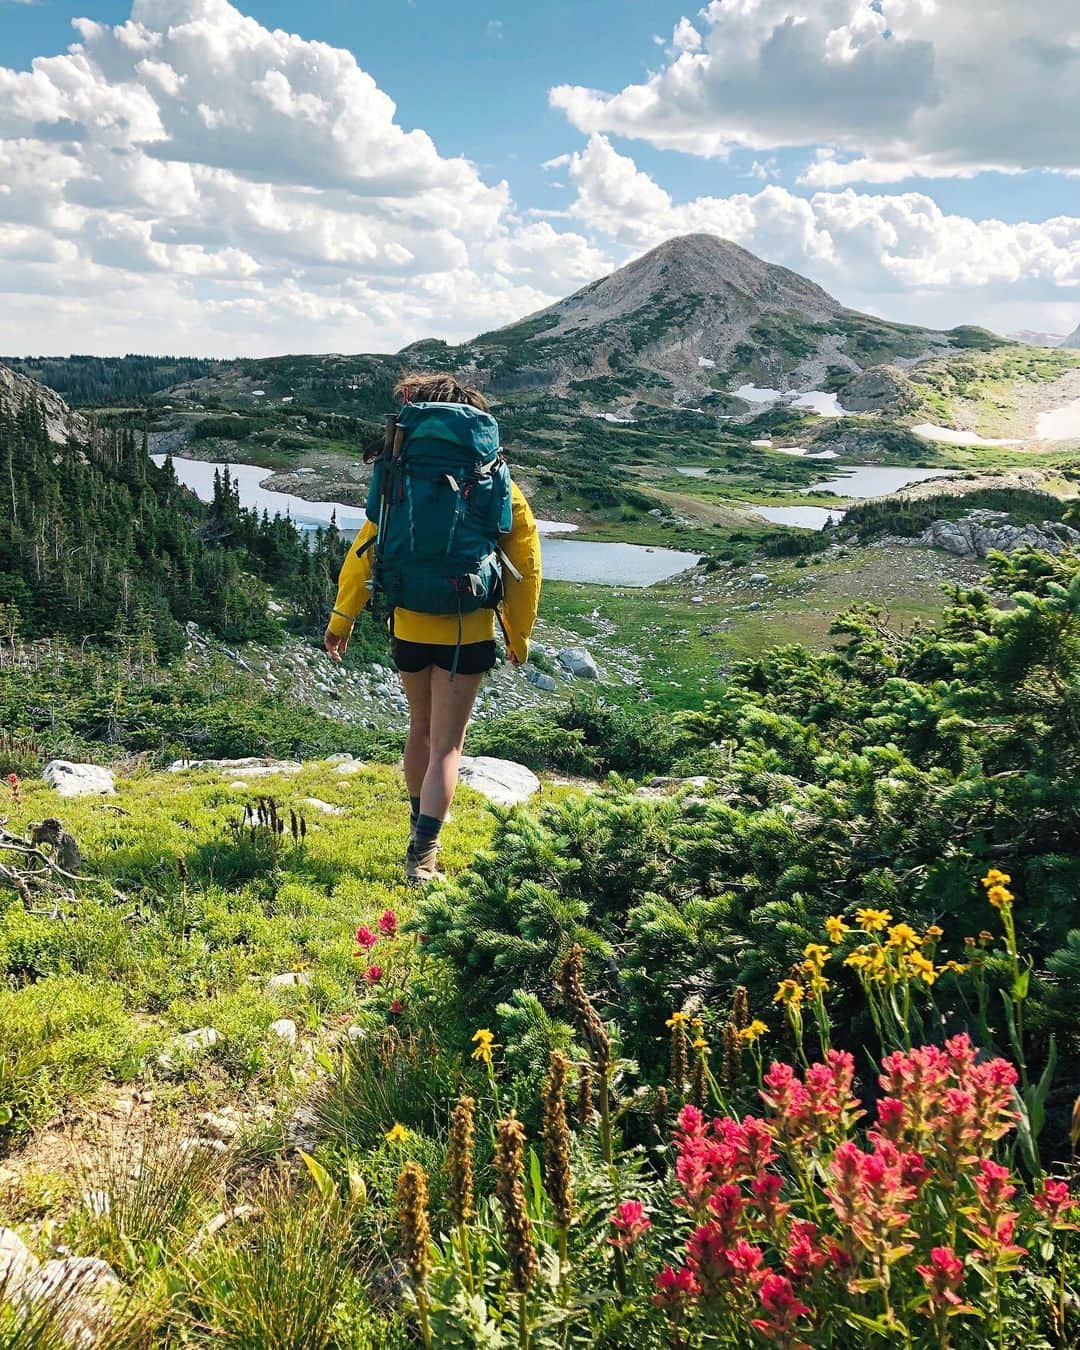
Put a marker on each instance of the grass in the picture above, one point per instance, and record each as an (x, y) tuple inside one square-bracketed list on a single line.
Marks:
[(205, 920)]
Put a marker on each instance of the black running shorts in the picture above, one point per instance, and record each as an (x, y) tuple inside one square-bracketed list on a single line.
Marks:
[(411, 657)]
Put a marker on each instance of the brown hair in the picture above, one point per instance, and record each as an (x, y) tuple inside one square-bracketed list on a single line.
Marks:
[(420, 386)]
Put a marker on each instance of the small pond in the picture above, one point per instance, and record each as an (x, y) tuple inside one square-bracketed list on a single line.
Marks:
[(874, 480), (800, 517)]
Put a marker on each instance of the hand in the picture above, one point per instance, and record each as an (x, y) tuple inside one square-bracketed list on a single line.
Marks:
[(513, 657), (336, 646)]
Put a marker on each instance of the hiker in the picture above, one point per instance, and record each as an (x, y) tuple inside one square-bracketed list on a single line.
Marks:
[(450, 544)]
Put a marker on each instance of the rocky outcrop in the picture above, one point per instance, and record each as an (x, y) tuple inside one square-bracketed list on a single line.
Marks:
[(983, 532), (881, 389), (499, 780), (78, 780), (18, 392), (1073, 340)]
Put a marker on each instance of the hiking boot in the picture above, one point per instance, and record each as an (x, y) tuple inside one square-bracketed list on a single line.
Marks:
[(422, 863)]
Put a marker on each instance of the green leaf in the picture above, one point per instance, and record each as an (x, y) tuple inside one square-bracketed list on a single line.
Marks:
[(1020, 985)]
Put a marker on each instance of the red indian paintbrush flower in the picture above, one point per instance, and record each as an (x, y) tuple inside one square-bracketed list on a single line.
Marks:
[(388, 923), (630, 1222), (943, 1276), (365, 938)]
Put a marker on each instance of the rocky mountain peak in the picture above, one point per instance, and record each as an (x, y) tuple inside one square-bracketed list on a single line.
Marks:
[(1073, 340)]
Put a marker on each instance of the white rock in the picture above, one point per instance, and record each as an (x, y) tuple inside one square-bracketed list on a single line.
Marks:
[(70, 1276), (342, 757), (758, 577), (579, 663), (327, 808), (541, 680), (285, 1028), (500, 780), (238, 784), (17, 1261), (202, 1038), (349, 766), (217, 1125), (356, 1033), (78, 780), (290, 979), (253, 766), (188, 1043)]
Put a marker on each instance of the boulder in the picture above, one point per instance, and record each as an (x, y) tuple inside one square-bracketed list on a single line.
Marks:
[(541, 680), (78, 780), (579, 663), (756, 578), (499, 780)]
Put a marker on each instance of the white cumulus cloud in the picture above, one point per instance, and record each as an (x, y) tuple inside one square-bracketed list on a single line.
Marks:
[(887, 87), (220, 186)]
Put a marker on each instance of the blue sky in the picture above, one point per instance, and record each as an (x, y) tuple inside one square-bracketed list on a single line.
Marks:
[(883, 180)]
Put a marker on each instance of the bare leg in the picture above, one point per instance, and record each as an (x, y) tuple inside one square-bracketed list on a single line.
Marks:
[(450, 709), (417, 688)]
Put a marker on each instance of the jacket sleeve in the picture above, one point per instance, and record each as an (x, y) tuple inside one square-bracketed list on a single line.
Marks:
[(522, 598), (352, 593)]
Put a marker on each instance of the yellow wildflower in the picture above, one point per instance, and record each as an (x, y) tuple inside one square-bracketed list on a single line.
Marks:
[(789, 992), (753, 1032), (1000, 897), (397, 1134), (985, 937), (957, 967), (818, 983), (996, 878), (700, 1044), (836, 928), (902, 935), (916, 966), (485, 1044), (816, 955), (677, 1019), (873, 920), (934, 932)]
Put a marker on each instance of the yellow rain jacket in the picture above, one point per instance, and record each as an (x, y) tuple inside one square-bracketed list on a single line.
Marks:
[(519, 605)]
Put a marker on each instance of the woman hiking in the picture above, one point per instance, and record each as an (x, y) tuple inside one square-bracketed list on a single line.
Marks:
[(450, 543)]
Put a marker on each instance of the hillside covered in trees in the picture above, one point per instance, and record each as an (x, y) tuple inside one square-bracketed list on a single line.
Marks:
[(98, 542)]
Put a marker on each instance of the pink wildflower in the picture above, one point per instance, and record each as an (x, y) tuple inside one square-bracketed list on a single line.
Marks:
[(675, 1287), (365, 938), (1053, 1200), (631, 1223), (943, 1276), (783, 1310), (373, 974), (388, 923)]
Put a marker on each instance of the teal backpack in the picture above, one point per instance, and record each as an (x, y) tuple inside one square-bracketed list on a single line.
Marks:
[(440, 497)]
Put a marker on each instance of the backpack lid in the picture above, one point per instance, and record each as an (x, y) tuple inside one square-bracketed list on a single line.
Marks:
[(459, 423)]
